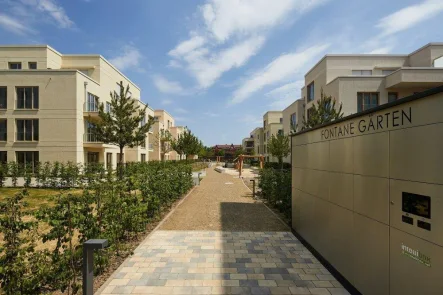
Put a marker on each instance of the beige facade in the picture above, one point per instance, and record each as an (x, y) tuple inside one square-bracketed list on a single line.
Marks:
[(248, 145), (176, 131), (363, 81), (292, 119), (49, 97), (257, 135), (272, 125), (367, 195), (163, 121)]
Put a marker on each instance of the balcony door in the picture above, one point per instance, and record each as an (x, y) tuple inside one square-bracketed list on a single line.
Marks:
[(92, 157)]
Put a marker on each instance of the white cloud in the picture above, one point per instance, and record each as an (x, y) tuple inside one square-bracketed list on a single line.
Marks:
[(166, 102), (187, 46), (166, 86), (14, 25), (180, 111), (409, 16), (229, 33), (284, 95), (211, 114), (250, 119), (130, 57), (56, 12), (282, 68), (224, 18), (208, 68)]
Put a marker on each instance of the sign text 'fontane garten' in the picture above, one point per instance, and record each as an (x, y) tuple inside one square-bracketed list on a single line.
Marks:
[(397, 118)]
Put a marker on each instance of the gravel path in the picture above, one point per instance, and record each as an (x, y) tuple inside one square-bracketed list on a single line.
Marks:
[(222, 202)]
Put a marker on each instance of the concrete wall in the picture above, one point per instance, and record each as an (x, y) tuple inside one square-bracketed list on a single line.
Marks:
[(347, 195)]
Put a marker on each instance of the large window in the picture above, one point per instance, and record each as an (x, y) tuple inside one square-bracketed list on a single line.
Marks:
[(392, 96), (143, 157), (108, 160), (92, 103), (3, 98), (281, 120), (361, 73), (27, 159), (92, 157), (311, 92), (3, 130), (293, 120), (27, 98), (15, 65), (27, 130), (387, 72), (3, 157), (366, 100)]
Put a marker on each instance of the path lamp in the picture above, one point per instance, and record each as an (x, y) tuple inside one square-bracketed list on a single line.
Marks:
[(253, 187), (88, 263), (199, 178)]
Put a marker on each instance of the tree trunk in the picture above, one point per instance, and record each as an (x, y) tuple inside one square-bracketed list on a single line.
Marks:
[(120, 164)]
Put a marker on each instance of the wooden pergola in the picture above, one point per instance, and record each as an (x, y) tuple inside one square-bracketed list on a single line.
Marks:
[(242, 157)]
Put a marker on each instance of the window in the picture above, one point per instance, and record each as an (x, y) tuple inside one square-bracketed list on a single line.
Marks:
[(27, 130), (310, 113), (32, 65), (3, 157), (156, 119), (264, 136), (366, 101), (143, 122), (387, 72), (151, 146), (143, 157), (92, 157), (311, 92), (264, 124), (280, 132), (267, 135), (3, 98), (92, 103), (3, 130), (15, 65), (293, 120), (438, 62), (392, 96), (27, 98), (362, 73), (281, 120), (258, 150), (108, 107), (26, 159), (143, 143), (108, 160)]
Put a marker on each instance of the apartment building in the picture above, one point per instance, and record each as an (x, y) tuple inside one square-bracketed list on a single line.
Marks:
[(272, 125), (163, 122), (248, 145), (292, 120), (364, 81), (46, 99), (176, 131), (257, 135)]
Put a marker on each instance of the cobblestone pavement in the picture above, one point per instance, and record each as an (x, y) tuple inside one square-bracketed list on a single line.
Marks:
[(222, 261)]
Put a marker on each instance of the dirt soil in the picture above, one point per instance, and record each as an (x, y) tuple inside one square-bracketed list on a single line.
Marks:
[(222, 202)]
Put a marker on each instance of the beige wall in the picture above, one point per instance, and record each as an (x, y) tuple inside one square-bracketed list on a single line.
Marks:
[(348, 180), (257, 134), (164, 121)]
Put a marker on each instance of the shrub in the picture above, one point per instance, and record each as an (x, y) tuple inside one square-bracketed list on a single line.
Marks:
[(275, 185), (3, 173), (276, 165)]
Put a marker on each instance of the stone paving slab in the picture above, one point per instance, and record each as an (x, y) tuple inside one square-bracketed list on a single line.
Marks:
[(222, 262)]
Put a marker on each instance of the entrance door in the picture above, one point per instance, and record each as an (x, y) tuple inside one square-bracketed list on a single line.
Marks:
[(92, 157)]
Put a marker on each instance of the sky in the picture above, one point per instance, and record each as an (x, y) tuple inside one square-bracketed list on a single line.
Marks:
[(218, 65)]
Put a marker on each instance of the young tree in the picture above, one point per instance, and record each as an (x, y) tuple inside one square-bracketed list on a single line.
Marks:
[(191, 143), (164, 141), (124, 125), (322, 113), (279, 147), (240, 151)]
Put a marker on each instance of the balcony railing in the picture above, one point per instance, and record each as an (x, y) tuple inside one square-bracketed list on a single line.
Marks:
[(90, 137), (91, 106)]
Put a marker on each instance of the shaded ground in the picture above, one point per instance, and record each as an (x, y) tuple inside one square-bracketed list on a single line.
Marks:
[(222, 202)]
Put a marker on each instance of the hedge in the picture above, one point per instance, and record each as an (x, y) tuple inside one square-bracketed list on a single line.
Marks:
[(117, 210), (275, 187)]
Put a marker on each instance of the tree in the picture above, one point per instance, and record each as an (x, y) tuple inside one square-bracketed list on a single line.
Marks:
[(322, 113), (164, 141), (278, 147), (187, 144), (124, 124), (239, 152)]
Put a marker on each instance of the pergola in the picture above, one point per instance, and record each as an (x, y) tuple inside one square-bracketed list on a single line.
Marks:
[(242, 157)]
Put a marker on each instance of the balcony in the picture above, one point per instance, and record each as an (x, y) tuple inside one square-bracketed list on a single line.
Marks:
[(415, 77), (90, 108), (91, 140)]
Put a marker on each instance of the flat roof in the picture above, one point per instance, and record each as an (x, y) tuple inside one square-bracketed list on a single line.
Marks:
[(296, 101), (400, 101)]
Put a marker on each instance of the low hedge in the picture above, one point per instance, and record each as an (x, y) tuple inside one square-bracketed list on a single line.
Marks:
[(275, 188)]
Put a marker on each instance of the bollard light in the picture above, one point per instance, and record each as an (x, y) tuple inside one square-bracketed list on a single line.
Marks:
[(253, 187), (199, 178), (88, 263)]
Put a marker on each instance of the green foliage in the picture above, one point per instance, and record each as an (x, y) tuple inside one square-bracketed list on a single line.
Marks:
[(186, 144), (22, 270), (14, 173), (125, 124), (4, 170), (117, 210), (278, 147), (240, 151), (275, 187), (324, 112)]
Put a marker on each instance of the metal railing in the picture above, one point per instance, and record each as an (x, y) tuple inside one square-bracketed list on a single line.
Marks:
[(90, 137)]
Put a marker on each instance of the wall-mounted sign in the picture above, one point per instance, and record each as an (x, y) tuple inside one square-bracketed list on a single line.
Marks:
[(416, 255), (416, 204), (375, 122)]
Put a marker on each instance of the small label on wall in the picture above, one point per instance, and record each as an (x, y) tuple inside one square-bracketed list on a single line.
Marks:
[(416, 255)]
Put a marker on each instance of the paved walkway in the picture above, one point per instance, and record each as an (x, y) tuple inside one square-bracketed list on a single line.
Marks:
[(251, 253)]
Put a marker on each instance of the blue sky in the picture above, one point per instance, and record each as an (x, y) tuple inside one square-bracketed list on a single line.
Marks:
[(218, 65)]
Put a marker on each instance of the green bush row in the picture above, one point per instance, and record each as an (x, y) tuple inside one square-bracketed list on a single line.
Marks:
[(275, 187), (109, 208)]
